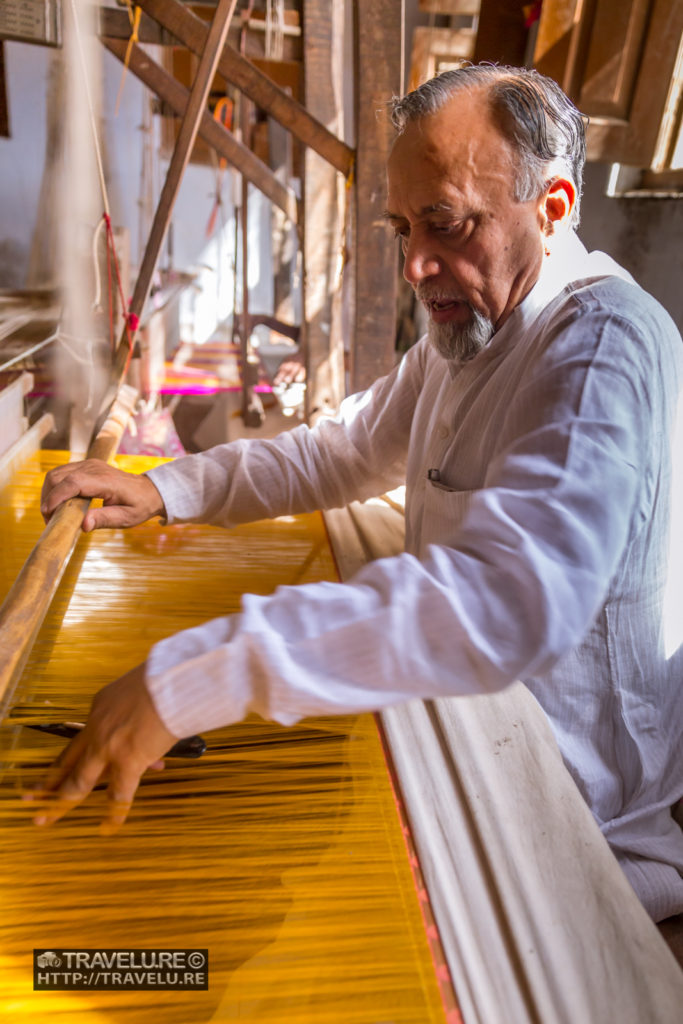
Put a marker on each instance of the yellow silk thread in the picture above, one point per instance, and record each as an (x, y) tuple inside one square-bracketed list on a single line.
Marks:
[(280, 850)]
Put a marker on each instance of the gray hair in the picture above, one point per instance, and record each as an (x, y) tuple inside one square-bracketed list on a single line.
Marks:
[(532, 112)]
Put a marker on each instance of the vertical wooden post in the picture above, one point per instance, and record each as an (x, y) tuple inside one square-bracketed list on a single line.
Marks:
[(251, 407), (4, 103), (323, 24), (379, 76)]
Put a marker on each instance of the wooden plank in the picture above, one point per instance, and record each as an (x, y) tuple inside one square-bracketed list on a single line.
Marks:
[(501, 32), (556, 29), (196, 105), (613, 57), (617, 61), (25, 446), (638, 140), (438, 49), (224, 142), (4, 103), (191, 31), (379, 75), (450, 7), (524, 888), (251, 405), (115, 24), (323, 25)]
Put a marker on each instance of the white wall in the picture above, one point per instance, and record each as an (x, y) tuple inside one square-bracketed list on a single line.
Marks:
[(644, 235), (22, 159)]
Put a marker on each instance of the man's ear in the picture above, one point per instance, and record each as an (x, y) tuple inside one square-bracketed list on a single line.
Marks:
[(558, 203)]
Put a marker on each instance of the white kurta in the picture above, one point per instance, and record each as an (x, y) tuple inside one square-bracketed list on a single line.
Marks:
[(537, 551)]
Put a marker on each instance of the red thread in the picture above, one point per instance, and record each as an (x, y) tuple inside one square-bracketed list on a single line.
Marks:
[(110, 302), (131, 320)]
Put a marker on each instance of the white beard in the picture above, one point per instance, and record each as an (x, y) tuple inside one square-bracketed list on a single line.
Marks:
[(461, 342)]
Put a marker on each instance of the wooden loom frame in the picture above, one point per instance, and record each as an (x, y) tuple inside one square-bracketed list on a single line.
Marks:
[(373, 274), (538, 923), (512, 889)]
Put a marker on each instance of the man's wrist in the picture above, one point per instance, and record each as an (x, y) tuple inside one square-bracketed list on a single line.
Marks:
[(156, 502)]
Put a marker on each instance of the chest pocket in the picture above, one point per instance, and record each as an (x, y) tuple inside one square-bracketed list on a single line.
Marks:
[(445, 510)]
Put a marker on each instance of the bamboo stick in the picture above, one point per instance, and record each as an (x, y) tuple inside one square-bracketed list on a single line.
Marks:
[(28, 600)]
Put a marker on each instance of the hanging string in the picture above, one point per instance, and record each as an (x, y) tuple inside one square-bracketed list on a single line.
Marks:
[(91, 110), (223, 113), (134, 19), (97, 301), (348, 198), (131, 321), (110, 304)]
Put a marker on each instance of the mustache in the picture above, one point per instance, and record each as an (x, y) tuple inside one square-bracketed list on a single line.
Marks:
[(428, 293)]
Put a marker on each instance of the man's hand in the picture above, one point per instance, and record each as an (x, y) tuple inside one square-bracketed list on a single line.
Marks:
[(123, 737), (292, 370), (128, 498)]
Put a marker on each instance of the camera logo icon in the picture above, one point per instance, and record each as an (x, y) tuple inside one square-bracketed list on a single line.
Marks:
[(48, 959)]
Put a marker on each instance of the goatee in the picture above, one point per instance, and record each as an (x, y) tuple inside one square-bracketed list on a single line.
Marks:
[(461, 342)]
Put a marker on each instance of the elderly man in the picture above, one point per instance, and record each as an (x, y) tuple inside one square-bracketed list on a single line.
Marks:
[(533, 428)]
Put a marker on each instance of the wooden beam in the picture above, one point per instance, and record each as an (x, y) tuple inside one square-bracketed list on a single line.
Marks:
[(196, 106), (251, 407), (379, 76), (502, 33), (191, 31), (115, 24), (522, 884), (323, 25), (4, 102), (292, 331), (216, 135)]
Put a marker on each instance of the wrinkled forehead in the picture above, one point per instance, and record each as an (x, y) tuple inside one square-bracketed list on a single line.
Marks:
[(462, 129), (459, 147)]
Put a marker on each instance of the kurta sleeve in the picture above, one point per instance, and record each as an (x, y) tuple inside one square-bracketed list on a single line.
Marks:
[(515, 586), (357, 455)]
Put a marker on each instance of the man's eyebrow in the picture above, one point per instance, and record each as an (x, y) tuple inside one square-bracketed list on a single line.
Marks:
[(426, 211)]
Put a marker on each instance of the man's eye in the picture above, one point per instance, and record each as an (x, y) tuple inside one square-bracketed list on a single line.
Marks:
[(453, 228)]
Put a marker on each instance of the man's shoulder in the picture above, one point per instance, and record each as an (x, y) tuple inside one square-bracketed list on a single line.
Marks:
[(616, 298)]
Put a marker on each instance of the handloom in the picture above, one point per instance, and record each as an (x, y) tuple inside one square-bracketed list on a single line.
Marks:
[(276, 868), (280, 850)]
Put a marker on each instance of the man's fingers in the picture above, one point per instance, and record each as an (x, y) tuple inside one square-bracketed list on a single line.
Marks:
[(71, 791), (59, 769), (110, 516), (69, 488), (122, 738), (123, 784), (128, 498)]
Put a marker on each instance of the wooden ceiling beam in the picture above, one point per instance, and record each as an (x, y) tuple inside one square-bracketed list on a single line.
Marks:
[(168, 89), (191, 31)]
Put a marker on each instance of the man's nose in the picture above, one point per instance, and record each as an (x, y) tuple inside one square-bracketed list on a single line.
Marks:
[(421, 261)]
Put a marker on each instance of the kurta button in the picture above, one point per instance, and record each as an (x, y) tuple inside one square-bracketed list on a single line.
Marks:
[(443, 431)]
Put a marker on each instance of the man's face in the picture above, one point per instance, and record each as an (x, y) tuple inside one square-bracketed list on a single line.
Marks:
[(472, 251)]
